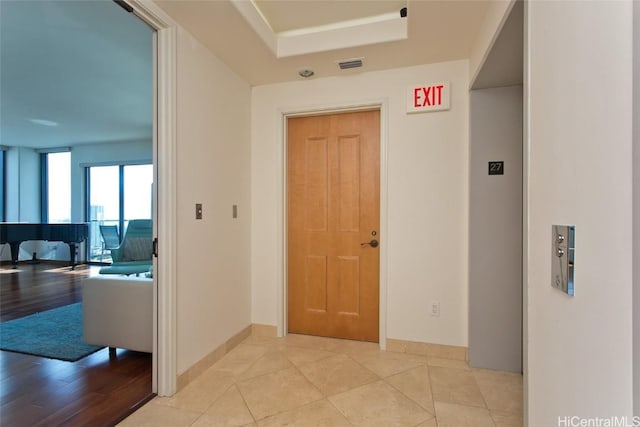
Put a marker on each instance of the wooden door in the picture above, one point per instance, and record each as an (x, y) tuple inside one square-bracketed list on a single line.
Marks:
[(333, 206)]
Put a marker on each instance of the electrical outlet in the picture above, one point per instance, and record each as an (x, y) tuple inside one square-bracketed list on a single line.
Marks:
[(435, 309)]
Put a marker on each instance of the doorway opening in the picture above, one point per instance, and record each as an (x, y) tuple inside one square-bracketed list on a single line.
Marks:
[(496, 221), (157, 140)]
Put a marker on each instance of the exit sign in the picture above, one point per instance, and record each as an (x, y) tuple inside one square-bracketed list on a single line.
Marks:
[(431, 97)]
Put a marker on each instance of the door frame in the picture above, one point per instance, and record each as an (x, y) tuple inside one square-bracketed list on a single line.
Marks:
[(283, 116), (164, 357)]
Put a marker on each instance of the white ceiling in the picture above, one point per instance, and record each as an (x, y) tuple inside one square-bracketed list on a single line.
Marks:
[(437, 31), (287, 15), (85, 65)]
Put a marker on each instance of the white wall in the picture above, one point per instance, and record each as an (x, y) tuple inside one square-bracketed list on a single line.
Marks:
[(213, 168), (426, 233), (495, 230), (12, 184), (580, 172), (12, 196), (23, 194), (23, 185)]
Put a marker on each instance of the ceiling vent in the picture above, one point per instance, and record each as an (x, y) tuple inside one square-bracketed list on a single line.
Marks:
[(350, 63)]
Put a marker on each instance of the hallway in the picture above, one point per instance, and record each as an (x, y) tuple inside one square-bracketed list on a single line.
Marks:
[(304, 380)]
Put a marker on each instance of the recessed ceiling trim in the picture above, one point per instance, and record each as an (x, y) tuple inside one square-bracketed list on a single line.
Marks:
[(258, 22), (338, 25), (358, 32), (341, 38)]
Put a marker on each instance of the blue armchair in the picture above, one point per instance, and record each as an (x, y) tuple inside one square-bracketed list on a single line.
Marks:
[(133, 256)]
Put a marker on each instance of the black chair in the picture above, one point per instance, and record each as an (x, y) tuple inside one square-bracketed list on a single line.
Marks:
[(110, 238)]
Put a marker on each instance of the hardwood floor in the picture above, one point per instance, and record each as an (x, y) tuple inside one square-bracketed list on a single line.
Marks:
[(96, 390)]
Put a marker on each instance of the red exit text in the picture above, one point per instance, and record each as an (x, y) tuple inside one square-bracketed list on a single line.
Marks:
[(427, 96), (422, 98)]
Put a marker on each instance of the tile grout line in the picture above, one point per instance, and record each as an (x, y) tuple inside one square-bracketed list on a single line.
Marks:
[(321, 393), (339, 411), (378, 377), (470, 406), (256, 420), (409, 397), (244, 400), (433, 398), (491, 411), (484, 399), (237, 380), (307, 380), (362, 385)]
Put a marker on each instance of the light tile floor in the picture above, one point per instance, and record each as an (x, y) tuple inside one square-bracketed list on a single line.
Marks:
[(311, 381)]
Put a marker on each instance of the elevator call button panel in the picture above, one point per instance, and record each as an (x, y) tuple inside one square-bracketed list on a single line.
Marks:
[(562, 257)]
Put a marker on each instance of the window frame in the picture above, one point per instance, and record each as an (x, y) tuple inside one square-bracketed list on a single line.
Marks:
[(121, 190)]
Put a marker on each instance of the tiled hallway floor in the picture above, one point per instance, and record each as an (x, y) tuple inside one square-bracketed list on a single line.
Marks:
[(310, 381)]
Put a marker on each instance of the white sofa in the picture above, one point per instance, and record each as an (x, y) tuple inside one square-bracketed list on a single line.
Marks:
[(117, 312)]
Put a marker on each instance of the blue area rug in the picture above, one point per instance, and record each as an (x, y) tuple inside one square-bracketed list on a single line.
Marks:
[(55, 334)]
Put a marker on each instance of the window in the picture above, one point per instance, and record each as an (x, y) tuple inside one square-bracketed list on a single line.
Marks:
[(104, 194), (56, 187), (137, 191), (115, 195)]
